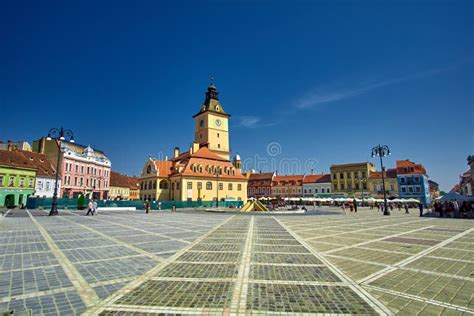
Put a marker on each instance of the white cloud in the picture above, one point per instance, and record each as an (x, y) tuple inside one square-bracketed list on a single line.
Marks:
[(250, 121), (315, 98)]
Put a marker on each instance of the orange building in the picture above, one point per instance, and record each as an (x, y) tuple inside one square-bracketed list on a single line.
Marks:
[(287, 186)]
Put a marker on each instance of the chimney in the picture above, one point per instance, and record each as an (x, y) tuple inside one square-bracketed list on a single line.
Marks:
[(195, 147), (166, 158), (42, 144), (176, 152)]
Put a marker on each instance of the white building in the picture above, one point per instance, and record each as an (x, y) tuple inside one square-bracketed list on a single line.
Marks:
[(316, 184), (45, 186), (45, 174)]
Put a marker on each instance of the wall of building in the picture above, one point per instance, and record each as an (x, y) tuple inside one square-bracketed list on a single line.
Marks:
[(45, 187), (119, 193), (16, 185), (315, 189), (347, 179), (414, 186), (376, 190), (79, 176), (195, 189)]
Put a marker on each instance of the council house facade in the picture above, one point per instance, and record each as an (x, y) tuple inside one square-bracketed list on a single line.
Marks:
[(204, 172)]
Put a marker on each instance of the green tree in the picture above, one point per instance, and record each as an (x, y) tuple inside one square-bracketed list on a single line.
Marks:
[(81, 202)]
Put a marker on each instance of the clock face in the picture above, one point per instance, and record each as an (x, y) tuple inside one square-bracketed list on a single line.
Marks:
[(218, 122)]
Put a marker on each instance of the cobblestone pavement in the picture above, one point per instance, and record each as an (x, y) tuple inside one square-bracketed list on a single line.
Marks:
[(131, 263)]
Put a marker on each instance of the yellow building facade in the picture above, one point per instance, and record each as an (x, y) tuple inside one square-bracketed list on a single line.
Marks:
[(205, 171), (351, 179), (390, 180)]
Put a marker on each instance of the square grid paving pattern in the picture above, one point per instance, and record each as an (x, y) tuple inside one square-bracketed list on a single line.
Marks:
[(131, 263)]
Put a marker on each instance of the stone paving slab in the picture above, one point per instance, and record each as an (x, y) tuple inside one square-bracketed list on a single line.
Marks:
[(306, 299)]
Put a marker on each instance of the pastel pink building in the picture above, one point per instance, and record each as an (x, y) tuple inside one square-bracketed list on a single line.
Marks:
[(83, 170)]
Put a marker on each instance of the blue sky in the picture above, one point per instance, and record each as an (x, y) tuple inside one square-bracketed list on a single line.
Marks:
[(326, 80)]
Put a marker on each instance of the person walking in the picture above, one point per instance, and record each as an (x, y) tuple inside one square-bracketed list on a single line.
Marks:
[(90, 208), (94, 208), (406, 209), (456, 209), (355, 205), (146, 206), (420, 206), (344, 207)]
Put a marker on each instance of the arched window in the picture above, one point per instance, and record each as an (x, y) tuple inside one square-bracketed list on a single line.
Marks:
[(209, 185)]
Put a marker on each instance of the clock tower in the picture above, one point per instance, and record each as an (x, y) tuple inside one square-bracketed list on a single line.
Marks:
[(212, 124)]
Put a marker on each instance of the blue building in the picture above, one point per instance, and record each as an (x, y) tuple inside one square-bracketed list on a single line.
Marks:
[(413, 181)]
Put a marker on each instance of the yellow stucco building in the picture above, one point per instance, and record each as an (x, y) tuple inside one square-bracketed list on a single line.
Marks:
[(390, 180), (351, 179), (204, 172)]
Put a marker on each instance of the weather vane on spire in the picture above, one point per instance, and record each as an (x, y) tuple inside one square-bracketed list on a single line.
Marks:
[(212, 80)]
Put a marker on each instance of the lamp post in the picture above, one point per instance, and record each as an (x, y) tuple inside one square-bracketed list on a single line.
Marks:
[(363, 182), (59, 135), (217, 186), (382, 151)]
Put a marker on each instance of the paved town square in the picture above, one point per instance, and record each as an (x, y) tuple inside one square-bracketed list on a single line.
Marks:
[(195, 262)]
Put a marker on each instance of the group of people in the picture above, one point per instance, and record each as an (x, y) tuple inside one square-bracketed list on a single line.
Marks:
[(92, 208), (352, 206), (454, 209)]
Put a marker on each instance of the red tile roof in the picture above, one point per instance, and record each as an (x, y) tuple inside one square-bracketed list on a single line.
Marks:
[(164, 167), (311, 178), (28, 160), (120, 180), (409, 167), (356, 164), (283, 180), (261, 176), (324, 179), (389, 174)]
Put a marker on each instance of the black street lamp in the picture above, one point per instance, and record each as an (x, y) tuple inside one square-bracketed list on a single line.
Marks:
[(218, 172), (58, 134), (363, 183), (382, 151)]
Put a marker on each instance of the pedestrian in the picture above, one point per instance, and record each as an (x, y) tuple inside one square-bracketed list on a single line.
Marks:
[(406, 209), (146, 206), (90, 208), (355, 205), (344, 207), (456, 209), (94, 207), (159, 205), (351, 207), (420, 206)]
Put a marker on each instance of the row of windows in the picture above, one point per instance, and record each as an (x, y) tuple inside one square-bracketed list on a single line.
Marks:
[(213, 169), (95, 183), (409, 180), (411, 189), (323, 190), (44, 186), (21, 182), (189, 186), (259, 191), (151, 185), (356, 187), (86, 170), (378, 188), (349, 175), (285, 190)]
